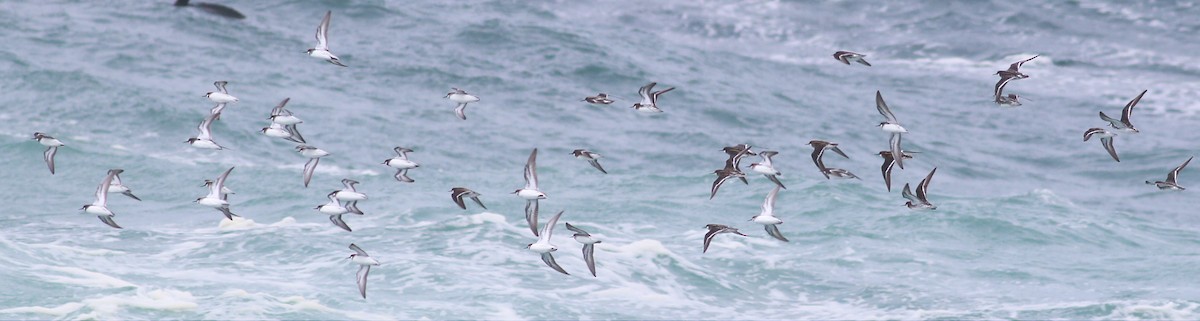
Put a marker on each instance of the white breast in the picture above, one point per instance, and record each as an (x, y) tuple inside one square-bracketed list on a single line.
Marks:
[(212, 202), (460, 98), (400, 163), (221, 98)]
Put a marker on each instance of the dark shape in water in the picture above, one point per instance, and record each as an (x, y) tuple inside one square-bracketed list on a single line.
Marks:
[(213, 8)]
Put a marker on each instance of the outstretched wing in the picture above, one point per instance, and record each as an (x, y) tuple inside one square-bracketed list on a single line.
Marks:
[(1125, 113), (1173, 175), (358, 250), (361, 276), (768, 206), (531, 171), (577, 230), (549, 259), (925, 185), (549, 228), (323, 32), (883, 108)]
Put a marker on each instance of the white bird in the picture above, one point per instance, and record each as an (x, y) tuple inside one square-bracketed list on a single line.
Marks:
[(221, 96), (766, 168), (283, 124), (314, 156), (544, 247), (322, 49), (462, 98), (117, 187), (364, 262), (402, 164), (52, 146), (283, 116), (530, 193), (215, 198), (335, 210), (589, 246), (99, 207), (767, 216), (205, 139), (350, 195)]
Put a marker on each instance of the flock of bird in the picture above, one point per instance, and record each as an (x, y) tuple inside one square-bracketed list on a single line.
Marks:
[(345, 201)]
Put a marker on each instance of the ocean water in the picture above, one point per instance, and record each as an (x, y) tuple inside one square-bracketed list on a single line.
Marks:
[(1032, 222)]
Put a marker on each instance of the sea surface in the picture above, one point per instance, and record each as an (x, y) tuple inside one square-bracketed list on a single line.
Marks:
[(1032, 222)]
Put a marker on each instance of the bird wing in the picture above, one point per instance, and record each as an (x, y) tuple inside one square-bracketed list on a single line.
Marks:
[(323, 32), (1173, 175), (531, 171), (358, 250), (921, 188), (883, 108), (768, 206)]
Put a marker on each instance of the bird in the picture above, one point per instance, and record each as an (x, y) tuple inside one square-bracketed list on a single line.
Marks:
[(1172, 183), (351, 195), (649, 103), (335, 210), (818, 154), (1106, 138), (314, 156), (736, 153), (1124, 124), (458, 193), (530, 193), (544, 247), (364, 262), (888, 161), (589, 246), (1014, 70), (722, 176), (831, 172), (204, 139), (212, 8), (321, 51), (890, 124), (281, 115), (598, 99), (215, 198), (99, 207), (118, 187), (846, 57), (283, 124), (221, 96), (766, 168), (919, 201), (713, 230), (591, 157), (462, 98), (1001, 99), (767, 217), (1012, 100), (401, 164), (52, 144)]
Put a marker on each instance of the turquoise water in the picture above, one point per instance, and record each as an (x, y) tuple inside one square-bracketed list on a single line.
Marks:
[(1032, 222)]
